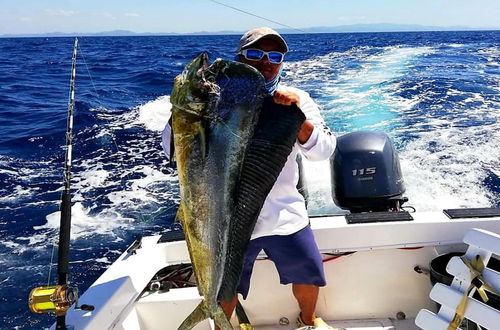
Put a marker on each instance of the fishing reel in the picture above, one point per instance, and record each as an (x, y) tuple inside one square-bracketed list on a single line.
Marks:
[(55, 299), (52, 299)]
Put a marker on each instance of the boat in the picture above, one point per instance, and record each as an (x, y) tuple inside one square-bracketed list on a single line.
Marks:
[(376, 275), (377, 260)]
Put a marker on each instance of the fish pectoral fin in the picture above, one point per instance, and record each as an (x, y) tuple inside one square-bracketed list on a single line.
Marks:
[(179, 216), (202, 138), (201, 312)]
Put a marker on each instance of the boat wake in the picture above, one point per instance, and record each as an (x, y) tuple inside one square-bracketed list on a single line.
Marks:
[(448, 155)]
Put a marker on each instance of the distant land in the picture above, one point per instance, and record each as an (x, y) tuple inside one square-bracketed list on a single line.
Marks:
[(318, 29)]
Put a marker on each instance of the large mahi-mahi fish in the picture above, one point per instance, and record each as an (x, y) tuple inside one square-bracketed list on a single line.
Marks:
[(231, 142)]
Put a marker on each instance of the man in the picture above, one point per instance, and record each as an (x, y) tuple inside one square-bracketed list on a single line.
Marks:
[(282, 229)]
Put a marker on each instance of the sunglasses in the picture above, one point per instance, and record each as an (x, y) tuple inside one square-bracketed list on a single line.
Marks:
[(254, 54)]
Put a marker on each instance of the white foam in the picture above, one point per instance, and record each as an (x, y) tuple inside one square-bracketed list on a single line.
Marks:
[(20, 248), (10, 244), (154, 114), (103, 260), (364, 96), (34, 239), (83, 224), (319, 188), (18, 193), (6, 171), (94, 176), (446, 168), (140, 191)]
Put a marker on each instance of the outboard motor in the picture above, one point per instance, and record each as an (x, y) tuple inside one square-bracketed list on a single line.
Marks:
[(366, 175)]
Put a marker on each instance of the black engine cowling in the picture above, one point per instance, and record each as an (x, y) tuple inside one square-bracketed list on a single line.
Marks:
[(366, 174)]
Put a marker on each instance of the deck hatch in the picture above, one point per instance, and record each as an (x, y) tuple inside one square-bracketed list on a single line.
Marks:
[(485, 212), (378, 217), (172, 236)]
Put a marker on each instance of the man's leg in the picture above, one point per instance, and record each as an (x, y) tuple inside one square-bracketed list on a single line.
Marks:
[(298, 260), (307, 296)]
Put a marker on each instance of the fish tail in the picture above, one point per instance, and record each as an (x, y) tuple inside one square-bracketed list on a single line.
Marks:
[(221, 320), (201, 313)]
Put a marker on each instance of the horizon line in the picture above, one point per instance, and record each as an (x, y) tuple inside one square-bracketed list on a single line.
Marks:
[(201, 33), (352, 28)]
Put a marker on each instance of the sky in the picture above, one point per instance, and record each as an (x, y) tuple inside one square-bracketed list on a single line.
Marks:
[(185, 16)]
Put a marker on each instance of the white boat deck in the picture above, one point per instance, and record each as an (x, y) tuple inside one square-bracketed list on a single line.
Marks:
[(367, 324), (150, 306), (367, 289)]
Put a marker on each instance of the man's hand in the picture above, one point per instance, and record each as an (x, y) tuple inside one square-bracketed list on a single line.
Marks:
[(286, 98), (305, 131)]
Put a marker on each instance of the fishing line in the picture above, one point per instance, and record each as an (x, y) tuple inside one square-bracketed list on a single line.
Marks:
[(255, 15), (51, 262), (113, 137), (231, 130)]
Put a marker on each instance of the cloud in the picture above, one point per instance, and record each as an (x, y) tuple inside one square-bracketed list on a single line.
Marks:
[(60, 12), (25, 19), (109, 16), (132, 15)]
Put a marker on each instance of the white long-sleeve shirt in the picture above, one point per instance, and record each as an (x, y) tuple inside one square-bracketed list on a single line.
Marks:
[(284, 210)]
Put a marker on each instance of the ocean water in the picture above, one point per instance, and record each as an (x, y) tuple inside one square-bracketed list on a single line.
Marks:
[(437, 95)]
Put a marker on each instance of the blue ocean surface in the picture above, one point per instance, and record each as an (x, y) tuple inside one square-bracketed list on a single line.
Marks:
[(437, 95)]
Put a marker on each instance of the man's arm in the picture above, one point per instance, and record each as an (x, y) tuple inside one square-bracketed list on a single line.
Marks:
[(305, 132), (167, 142), (316, 140)]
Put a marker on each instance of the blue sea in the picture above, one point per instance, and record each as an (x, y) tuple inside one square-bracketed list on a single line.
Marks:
[(436, 94)]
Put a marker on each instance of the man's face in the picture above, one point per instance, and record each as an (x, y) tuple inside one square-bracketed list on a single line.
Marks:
[(269, 70)]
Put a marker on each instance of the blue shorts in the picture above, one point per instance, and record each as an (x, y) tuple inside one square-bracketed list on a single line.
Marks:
[(296, 257)]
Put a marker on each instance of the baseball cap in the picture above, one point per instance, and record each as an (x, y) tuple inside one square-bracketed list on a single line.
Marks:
[(254, 35)]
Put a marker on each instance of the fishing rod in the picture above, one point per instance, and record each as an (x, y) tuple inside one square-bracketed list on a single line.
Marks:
[(58, 298)]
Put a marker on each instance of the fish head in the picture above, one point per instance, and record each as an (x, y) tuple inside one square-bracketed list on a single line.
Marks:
[(192, 88)]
